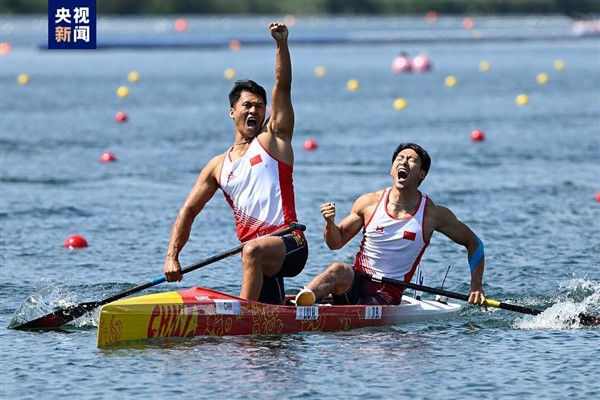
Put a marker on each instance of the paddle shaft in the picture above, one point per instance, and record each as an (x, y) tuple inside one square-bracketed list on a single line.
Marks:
[(583, 318), (65, 315), (453, 295)]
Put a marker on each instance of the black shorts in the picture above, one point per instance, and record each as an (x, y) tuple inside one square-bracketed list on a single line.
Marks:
[(365, 291), (273, 289)]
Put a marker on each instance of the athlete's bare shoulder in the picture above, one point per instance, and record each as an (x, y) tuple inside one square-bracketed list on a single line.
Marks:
[(213, 167), (367, 202), (438, 216)]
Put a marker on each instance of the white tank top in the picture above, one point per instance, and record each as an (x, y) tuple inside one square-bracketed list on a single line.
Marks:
[(392, 247), (260, 191)]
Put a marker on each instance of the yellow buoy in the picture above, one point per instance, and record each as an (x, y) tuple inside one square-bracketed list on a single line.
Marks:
[(559, 65), (133, 76), (400, 104), (484, 66), (542, 78), (450, 81), (353, 85), (23, 79), (123, 91), (522, 99), (229, 73), (320, 71)]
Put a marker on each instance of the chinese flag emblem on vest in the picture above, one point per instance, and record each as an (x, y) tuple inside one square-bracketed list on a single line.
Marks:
[(257, 159), (409, 236)]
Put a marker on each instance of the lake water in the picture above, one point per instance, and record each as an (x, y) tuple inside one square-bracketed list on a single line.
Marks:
[(528, 191)]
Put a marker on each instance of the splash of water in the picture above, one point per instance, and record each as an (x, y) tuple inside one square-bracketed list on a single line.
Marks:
[(45, 299), (580, 297)]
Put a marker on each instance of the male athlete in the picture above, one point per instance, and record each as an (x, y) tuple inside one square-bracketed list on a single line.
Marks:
[(255, 175), (397, 224)]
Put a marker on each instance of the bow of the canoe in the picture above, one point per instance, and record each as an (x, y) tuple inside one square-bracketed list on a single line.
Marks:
[(184, 313), (204, 312)]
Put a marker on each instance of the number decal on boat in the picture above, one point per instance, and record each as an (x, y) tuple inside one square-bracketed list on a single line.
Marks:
[(373, 312), (304, 313), (228, 307)]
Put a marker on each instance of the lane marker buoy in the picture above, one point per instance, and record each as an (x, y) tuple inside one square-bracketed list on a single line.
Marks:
[(75, 242)]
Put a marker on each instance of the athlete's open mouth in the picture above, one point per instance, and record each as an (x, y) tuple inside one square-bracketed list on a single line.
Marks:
[(402, 174), (251, 121)]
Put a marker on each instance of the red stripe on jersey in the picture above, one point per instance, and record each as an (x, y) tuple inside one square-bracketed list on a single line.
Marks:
[(286, 184)]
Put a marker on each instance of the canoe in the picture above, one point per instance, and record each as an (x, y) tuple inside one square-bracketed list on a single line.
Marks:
[(204, 312)]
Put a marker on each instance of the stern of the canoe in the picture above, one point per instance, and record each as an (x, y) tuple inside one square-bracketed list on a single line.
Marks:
[(413, 310)]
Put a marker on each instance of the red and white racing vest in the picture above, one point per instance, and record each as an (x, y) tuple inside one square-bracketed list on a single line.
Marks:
[(260, 191), (392, 247)]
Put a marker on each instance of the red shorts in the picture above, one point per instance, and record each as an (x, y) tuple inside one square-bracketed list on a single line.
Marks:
[(365, 291)]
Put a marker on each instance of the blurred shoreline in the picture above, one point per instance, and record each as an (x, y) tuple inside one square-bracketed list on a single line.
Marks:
[(579, 9), (219, 31)]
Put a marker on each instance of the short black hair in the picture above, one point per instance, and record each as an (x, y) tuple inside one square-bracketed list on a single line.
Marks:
[(421, 152), (248, 86)]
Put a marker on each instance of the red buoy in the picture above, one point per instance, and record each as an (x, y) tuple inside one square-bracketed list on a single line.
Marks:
[(121, 116), (468, 23), (107, 157), (75, 242), (310, 144), (401, 63), (180, 25), (421, 63), (477, 136), (235, 45), (431, 16), (598, 197)]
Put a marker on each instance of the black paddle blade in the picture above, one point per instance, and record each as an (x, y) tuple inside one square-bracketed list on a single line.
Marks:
[(588, 320), (57, 318)]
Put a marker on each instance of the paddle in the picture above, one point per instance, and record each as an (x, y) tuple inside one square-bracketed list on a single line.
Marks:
[(583, 318), (60, 317)]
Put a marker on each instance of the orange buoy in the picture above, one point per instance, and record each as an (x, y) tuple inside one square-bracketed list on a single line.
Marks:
[(75, 242), (107, 157), (477, 136)]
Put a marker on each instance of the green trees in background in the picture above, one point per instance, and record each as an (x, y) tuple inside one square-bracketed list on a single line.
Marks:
[(575, 8)]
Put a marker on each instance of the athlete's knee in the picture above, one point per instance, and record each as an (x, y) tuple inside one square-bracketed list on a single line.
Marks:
[(264, 257), (251, 256), (339, 276), (339, 270), (252, 251)]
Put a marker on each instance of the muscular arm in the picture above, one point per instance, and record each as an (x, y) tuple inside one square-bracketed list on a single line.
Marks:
[(203, 190), (336, 236), (281, 123), (445, 222)]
